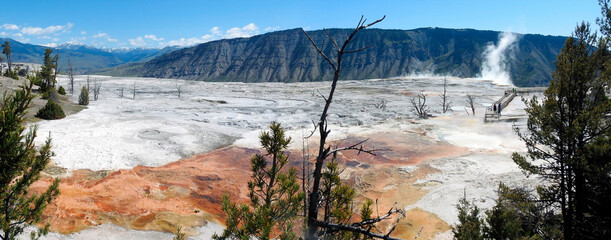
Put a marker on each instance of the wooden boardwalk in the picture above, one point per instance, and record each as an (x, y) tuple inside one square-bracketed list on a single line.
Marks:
[(509, 95), (491, 114)]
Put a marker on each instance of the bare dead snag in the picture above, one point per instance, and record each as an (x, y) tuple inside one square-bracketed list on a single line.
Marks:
[(419, 105), (324, 151), (178, 87), (446, 102), (471, 102), (71, 76)]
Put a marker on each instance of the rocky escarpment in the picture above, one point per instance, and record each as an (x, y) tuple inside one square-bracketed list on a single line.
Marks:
[(287, 56)]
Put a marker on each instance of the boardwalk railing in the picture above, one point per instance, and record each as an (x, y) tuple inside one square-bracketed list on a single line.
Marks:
[(504, 101)]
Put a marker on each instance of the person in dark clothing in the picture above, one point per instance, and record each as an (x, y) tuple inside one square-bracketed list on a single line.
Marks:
[(499, 109), (494, 107)]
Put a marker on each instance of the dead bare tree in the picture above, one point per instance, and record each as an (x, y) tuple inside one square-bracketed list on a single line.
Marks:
[(446, 102), (71, 76), (381, 104), (134, 92), (178, 87), (315, 227), (419, 105), (471, 102), (96, 89), (88, 85)]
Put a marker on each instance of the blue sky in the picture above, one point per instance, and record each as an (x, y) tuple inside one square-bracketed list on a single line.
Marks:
[(134, 23)]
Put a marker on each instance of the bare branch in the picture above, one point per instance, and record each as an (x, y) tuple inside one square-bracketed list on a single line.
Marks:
[(319, 51), (358, 50), (332, 40)]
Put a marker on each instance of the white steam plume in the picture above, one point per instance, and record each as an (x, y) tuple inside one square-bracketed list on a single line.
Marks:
[(495, 66)]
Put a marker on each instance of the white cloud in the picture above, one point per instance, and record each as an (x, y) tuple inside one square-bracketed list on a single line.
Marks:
[(137, 42), (51, 45), (271, 29), (101, 35), (8, 26), (105, 36), (215, 33), (77, 40), (18, 35), (83, 32), (246, 31), (215, 30), (3, 34), (47, 30), (190, 41), (153, 37)]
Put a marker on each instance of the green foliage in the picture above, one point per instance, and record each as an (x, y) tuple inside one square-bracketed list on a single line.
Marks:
[(61, 90), (6, 50), (48, 70), (274, 195), (83, 99), (517, 215), (35, 79), (566, 131), (469, 224), (20, 166), (51, 111), (178, 233), (11, 74)]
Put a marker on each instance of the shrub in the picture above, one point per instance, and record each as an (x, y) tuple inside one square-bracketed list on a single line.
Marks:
[(83, 99), (61, 90), (12, 75), (51, 94), (51, 111)]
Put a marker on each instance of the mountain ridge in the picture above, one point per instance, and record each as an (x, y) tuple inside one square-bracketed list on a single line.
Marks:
[(84, 58), (287, 56)]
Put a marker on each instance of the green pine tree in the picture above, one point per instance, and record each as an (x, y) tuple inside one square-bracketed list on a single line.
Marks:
[(568, 121), (83, 99), (469, 225), (275, 199), (51, 111), (6, 50), (20, 166), (48, 70)]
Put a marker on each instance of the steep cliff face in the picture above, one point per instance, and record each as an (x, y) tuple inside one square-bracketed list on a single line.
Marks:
[(286, 56)]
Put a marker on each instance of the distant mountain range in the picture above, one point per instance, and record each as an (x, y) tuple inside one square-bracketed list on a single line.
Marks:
[(287, 56), (84, 58)]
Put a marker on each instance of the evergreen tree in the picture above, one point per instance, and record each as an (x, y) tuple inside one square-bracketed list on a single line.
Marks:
[(566, 133), (275, 199), (20, 166), (48, 70), (6, 50), (51, 111), (83, 99), (61, 90), (469, 225)]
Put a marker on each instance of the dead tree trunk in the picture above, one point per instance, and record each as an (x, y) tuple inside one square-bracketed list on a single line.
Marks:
[(178, 87), (96, 89), (471, 102), (446, 102), (419, 105), (324, 151), (71, 76)]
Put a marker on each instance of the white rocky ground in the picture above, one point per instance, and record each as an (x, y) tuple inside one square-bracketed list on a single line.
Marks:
[(157, 127)]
